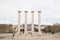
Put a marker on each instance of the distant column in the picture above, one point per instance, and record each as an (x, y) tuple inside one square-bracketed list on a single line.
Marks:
[(39, 21), (26, 21), (19, 14), (32, 21)]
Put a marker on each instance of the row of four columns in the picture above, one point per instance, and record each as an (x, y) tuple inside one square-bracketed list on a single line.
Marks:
[(32, 27)]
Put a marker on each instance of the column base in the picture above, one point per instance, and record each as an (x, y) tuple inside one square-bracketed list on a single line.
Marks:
[(25, 32), (18, 33), (39, 33), (33, 33)]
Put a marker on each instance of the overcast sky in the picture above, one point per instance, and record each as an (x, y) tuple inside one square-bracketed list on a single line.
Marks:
[(50, 11)]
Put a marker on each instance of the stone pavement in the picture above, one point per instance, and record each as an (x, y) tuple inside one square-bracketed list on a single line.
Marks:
[(30, 37)]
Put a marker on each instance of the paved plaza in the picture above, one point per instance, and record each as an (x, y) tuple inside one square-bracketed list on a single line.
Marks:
[(30, 37)]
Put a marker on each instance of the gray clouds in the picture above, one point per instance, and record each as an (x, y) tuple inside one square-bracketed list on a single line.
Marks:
[(49, 8)]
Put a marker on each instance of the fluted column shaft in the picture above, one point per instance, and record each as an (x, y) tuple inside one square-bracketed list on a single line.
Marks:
[(19, 14), (39, 22), (32, 21), (25, 21)]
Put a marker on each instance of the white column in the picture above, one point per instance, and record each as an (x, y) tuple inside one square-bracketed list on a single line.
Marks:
[(19, 14), (39, 21), (25, 21), (32, 21)]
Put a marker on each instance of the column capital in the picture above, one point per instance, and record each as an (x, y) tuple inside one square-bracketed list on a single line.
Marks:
[(32, 11), (39, 11), (19, 11), (26, 11)]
